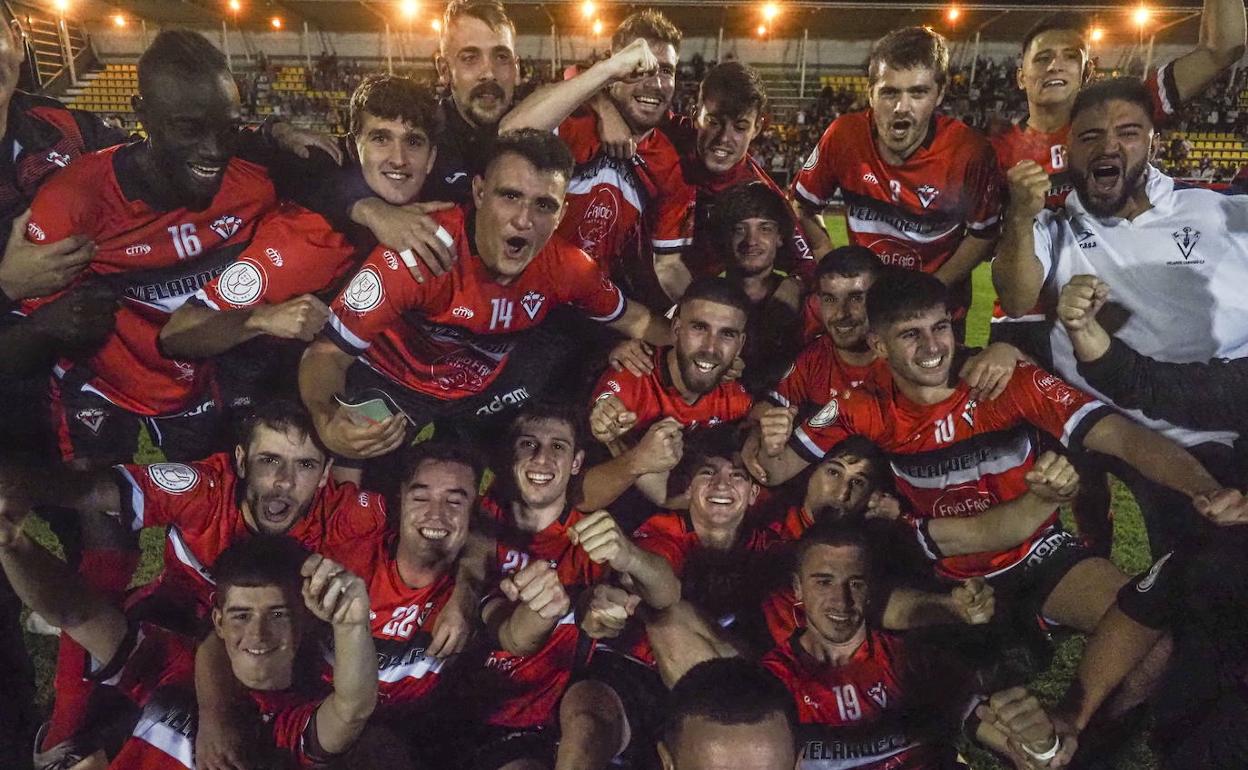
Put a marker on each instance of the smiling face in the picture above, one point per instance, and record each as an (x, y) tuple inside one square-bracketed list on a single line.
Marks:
[(192, 128), (843, 310), (755, 242), (919, 350), (643, 101), (518, 207), (720, 492), (723, 140), (435, 509), (394, 157), (479, 65), (282, 471), (708, 337), (832, 583), (840, 487), (1109, 149), (1054, 67), (260, 629), (902, 104), (546, 459)]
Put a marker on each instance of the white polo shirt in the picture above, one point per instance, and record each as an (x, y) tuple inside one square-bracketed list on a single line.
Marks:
[(1178, 272)]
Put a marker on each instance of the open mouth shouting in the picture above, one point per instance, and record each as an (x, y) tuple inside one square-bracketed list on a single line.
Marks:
[(515, 247), (899, 129), (275, 510), (1104, 176)]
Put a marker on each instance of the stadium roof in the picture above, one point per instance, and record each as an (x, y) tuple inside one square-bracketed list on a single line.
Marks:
[(831, 19)]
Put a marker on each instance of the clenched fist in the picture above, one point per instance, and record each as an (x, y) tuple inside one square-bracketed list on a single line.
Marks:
[(1053, 479), (537, 587), (1081, 299), (1029, 189)]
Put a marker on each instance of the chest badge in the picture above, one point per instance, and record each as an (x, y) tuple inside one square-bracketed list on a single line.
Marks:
[(1186, 238)]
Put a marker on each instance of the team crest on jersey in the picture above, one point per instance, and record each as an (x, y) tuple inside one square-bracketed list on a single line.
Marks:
[(274, 256), (878, 694), (364, 293), (92, 419), (242, 283), (226, 226), (812, 160), (174, 478), (1146, 585), (59, 159), (927, 194), (532, 302), (1185, 239), (825, 416)]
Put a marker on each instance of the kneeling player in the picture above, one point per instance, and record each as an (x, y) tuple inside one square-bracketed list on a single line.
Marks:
[(267, 587)]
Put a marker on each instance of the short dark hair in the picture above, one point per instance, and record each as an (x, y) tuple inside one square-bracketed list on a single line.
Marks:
[(900, 295), (279, 414), (441, 451), (572, 415), (834, 532), (545, 151), (849, 262), (260, 560), (860, 448), (728, 691), (1065, 21), (184, 54), (648, 24), (736, 88), (718, 441), (1122, 89), (721, 291), (392, 97), (910, 48), (749, 200), (490, 12)]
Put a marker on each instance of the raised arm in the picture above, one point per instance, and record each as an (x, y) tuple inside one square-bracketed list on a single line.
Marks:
[(1221, 44), (658, 452), (810, 218), (1017, 274), (340, 598), (547, 107), (196, 331), (533, 603), (637, 322), (1152, 454), (603, 541)]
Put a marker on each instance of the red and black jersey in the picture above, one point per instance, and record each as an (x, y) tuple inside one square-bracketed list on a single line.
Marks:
[(703, 257), (961, 456), (522, 691), (402, 619), (450, 336), (607, 199), (155, 668), (654, 397), (819, 373), (42, 137), (199, 503), (914, 215), (860, 714), (293, 252), (156, 259)]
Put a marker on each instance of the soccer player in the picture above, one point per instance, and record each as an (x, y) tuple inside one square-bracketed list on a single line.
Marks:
[(529, 686), (270, 591), (447, 348), (879, 698), (729, 713), (955, 456), (277, 286), (606, 198), (1169, 267), (922, 190)]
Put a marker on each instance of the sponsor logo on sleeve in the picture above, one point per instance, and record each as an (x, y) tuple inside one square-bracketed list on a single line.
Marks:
[(274, 256), (825, 416), (392, 259), (174, 478), (226, 226), (242, 283), (365, 291), (138, 250), (35, 231), (1054, 388), (463, 311)]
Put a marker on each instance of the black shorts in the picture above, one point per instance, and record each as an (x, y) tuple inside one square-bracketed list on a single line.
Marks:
[(90, 428), (496, 746), (642, 692), (1022, 589)]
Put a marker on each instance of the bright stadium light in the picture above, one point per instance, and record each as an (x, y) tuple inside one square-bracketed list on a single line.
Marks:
[(588, 9), (119, 20), (409, 8), (1096, 35), (762, 30), (597, 27), (235, 6), (953, 13), (1141, 16), (276, 21), (436, 24), (61, 6), (770, 12)]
